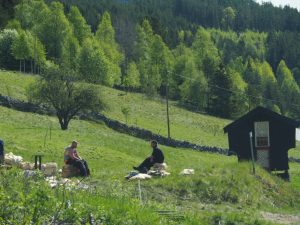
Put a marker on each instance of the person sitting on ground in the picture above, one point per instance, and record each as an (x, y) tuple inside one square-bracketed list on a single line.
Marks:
[(71, 157), (156, 157)]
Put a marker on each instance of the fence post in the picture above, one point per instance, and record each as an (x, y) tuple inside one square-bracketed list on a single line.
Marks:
[(140, 191), (252, 153)]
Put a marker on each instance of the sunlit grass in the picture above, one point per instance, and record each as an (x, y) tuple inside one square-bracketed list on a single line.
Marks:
[(143, 112), (221, 186), (219, 179)]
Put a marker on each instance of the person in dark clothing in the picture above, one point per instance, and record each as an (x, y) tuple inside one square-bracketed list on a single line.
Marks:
[(156, 157), (71, 157)]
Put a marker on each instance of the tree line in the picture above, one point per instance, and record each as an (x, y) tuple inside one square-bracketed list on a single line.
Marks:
[(217, 71), (168, 17)]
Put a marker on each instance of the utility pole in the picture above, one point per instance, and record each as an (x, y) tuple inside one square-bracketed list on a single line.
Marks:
[(167, 101)]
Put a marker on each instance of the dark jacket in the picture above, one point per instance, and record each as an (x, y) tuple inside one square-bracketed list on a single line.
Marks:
[(158, 156)]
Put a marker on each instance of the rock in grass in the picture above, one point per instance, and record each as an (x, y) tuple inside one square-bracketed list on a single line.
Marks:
[(49, 169), (187, 172), (30, 173), (12, 159)]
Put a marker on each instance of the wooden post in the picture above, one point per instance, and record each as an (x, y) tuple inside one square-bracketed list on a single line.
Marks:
[(50, 129), (168, 118), (45, 137), (38, 159), (140, 191), (252, 153)]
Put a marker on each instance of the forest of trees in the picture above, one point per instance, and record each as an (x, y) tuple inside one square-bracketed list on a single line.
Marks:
[(219, 58)]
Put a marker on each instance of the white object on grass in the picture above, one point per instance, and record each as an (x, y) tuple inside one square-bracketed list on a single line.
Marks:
[(187, 172), (12, 159), (140, 176)]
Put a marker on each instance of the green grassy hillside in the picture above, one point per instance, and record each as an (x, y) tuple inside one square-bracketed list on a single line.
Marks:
[(221, 190), (144, 112), (220, 185)]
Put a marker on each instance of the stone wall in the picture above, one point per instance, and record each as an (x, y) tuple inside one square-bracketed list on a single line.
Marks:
[(113, 124), (24, 106), (148, 135), (117, 126)]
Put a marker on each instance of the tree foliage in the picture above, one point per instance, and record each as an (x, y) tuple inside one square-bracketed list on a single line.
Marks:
[(7, 11), (31, 13), (93, 64), (132, 76), (21, 48), (55, 31), (290, 91), (57, 88), (106, 37), (207, 55), (7, 60), (80, 27), (213, 56), (229, 16)]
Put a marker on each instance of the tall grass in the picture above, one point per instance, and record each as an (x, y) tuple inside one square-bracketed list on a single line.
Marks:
[(32, 201)]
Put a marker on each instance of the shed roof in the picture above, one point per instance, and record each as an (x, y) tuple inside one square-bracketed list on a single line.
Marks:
[(262, 111)]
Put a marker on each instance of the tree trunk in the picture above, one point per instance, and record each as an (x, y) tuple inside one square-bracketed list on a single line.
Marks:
[(64, 125), (20, 65), (64, 122), (24, 66), (34, 63), (207, 101)]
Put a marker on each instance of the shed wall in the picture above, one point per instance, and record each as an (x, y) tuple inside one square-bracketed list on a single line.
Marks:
[(282, 138)]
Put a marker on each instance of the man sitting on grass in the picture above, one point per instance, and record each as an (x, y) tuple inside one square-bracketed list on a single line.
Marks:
[(156, 157), (71, 157)]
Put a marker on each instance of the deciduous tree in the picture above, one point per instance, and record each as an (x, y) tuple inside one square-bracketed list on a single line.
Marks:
[(81, 29), (132, 76), (57, 88)]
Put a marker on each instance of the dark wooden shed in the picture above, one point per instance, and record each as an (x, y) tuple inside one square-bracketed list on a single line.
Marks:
[(273, 136)]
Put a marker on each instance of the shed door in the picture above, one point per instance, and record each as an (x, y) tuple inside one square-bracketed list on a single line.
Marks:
[(262, 143)]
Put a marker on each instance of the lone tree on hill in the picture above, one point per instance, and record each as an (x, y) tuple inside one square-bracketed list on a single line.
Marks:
[(57, 88)]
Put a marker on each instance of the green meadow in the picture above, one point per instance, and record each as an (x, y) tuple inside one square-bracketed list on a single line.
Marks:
[(222, 191), (143, 112)]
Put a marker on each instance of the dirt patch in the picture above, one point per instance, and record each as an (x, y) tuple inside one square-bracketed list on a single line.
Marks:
[(281, 218)]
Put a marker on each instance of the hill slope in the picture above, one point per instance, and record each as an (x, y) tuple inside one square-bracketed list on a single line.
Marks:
[(143, 112), (146, 113), (220, 182), (221, 190)]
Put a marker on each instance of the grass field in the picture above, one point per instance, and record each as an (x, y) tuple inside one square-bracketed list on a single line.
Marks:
[(14, 84), (295, 152), (221, 186), (143, 112), (221, 190)]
